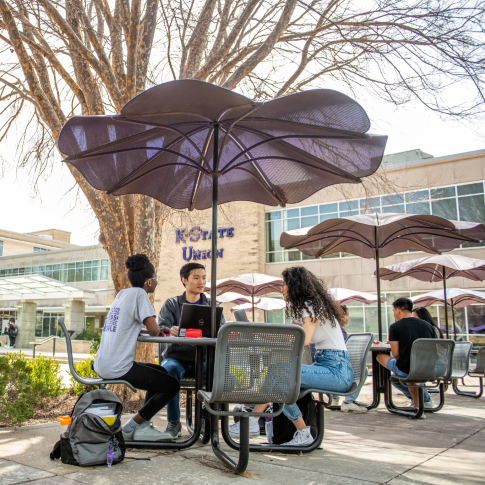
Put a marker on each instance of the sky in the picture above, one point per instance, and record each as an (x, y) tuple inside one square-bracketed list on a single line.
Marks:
[(408, 127)]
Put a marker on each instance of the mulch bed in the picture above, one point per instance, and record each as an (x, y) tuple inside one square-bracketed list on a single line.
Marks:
[(62, 406)]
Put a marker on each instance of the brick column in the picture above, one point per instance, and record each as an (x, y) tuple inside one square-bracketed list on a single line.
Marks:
[(26, 315), (74, 315)]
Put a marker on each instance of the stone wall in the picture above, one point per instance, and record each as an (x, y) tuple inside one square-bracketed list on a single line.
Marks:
[(242, 252)]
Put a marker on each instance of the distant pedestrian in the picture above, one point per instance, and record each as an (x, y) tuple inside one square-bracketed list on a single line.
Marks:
[(13, 331)]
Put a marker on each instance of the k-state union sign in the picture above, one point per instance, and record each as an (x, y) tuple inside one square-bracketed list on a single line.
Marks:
[(195, 234)]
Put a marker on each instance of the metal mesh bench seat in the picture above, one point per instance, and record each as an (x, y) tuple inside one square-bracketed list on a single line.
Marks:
[(255, 363), (461, 369), (87, 381), (431, 360)]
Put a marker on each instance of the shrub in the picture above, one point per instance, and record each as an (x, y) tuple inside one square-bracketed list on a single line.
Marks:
[(95, 343), (84, 369), (17, 395), (46, 373), (86, 334)]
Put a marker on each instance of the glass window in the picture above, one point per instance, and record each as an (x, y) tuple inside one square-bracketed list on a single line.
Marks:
[(309, 211), (79, 264), (96, 262), (104, 262), (292, 213), (305, 257), (418, 196), (394, 208), (71, 265), (309, 221), (275, 317), (445, 208), (470, 189), (272, 216), (391, 199), (325, 208), (95, 273), (291, 224), (104, 273), (87, 264), (71, 275), (356, 320), (273, 233), (418, 208), (472, 208), (443, 192), (326, 217), (476, 317), (292, 255), (370, 203), (79, 275), (1, 248), (87, 274), (63, 276), (349, 205), (271, 258)]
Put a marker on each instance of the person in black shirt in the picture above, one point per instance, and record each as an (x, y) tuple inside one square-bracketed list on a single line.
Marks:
[(402, 334)]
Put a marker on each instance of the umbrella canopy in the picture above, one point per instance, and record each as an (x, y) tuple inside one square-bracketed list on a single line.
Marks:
[(231, 297), (455, 297), (382, 235), (193, 145), (389, 234), (436, 268), (344, 296), (265, 304), (249, 284), (274, 153)]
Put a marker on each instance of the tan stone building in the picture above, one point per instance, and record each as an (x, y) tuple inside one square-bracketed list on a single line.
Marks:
[(248, 241)]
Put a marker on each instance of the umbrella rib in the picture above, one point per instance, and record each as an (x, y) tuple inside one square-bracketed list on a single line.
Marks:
[(122, 117), (306, 164), (276, 198), (279, 139), (265, 183)]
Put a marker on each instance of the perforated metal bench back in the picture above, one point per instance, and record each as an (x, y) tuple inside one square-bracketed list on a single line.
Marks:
[(431, 359), (258, 363), (461, 359), (358, 345)]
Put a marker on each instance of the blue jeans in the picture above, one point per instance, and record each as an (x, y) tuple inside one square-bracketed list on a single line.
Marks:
[(178, 370), (331, 371), (391, 365)]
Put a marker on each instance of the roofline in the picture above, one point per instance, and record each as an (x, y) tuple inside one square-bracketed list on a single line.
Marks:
[(432, 161), (51, 229), (56, 251), (37, 238)]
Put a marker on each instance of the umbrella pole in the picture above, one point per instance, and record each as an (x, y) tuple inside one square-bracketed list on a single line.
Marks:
[(253, 307), (453, 321), (446, 303), (379, 309), (215, 197)]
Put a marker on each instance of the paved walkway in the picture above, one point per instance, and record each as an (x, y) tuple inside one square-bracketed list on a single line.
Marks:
[(372, 448)]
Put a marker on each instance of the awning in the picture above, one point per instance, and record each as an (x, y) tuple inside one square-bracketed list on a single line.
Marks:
[(37, 287)]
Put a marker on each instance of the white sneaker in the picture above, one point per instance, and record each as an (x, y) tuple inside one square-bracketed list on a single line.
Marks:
[(335, 401), (352, 407), (301, 438), (254, 431), (149, 433)]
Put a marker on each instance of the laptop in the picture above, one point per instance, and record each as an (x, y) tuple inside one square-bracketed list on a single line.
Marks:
[(240, 316), (199, 316)]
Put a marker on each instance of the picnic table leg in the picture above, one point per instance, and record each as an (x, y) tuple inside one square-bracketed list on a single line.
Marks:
[(377, 382), (205, 436), (392, 408)]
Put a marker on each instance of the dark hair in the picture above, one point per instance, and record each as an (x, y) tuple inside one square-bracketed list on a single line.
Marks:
[(403, 304), (307, 290), (140, 269), (424, 314), (345, 310), (186, 269)]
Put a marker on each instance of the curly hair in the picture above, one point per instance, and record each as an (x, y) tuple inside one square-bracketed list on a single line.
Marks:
[(307, 290)]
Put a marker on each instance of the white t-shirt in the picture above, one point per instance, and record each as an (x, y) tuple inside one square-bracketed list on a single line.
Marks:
[(325, 336), (120, 332)]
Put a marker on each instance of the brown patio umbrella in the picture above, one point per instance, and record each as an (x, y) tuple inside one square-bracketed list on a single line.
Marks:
[(437, 268), (194, 145), (381, 235)]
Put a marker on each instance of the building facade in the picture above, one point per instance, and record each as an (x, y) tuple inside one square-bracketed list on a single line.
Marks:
[(248, 241)]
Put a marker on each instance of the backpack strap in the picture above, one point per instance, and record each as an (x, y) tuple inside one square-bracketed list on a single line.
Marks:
[(56, 451)]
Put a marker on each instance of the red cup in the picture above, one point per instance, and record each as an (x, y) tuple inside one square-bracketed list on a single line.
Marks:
[(193, 333)]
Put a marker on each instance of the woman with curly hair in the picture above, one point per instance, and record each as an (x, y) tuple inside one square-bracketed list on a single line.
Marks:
[(311, 306)]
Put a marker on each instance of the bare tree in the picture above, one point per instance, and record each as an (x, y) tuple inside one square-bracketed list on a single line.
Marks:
[(66, 57)]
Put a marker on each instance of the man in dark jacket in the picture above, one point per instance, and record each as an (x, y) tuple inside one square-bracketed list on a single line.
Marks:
[(179, 360)]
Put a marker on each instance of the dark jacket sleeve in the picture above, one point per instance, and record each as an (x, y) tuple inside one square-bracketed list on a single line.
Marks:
[(167, 315)]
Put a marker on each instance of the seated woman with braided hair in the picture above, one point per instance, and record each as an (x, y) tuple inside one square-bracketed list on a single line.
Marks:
[(311, 307)]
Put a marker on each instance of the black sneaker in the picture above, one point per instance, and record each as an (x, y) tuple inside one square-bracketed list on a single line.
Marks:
[(175, 429)]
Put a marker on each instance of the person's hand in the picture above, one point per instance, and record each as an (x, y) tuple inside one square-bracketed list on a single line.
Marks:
[(164, 330), (174, 331)]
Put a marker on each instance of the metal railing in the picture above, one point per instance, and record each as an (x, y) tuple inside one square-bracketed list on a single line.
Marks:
[(53, 338)]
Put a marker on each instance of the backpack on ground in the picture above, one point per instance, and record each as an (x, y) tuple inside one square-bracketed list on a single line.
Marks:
[(280, 429), (89, 439)]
